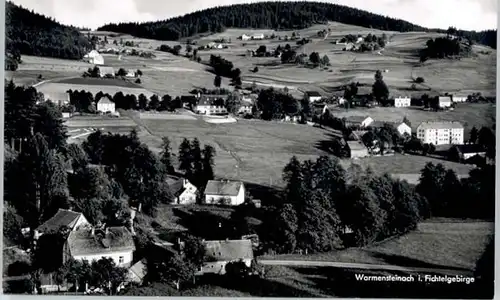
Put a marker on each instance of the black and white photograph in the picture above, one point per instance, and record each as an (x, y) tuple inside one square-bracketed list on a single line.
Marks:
[(239, 148)]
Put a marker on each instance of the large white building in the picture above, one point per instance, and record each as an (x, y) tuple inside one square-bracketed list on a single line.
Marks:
[(441, 133), (94, 57), (225, 192), (211, 105), (444, 101), (402, 102), (105, 105)]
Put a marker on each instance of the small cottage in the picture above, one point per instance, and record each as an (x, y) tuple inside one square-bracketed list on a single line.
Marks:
[(105, 105), (219, 253), (64, 218), (357, 149), (183, 191), (225, 192)]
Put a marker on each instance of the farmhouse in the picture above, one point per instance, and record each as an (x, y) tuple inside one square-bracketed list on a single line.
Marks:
[(459, 98), (130, 74), (211, 105), (113, 242), (312, 96), (444, 101), (106, 72), (246, 105), (105, 105), (62, 219), (57, 98), (468, 151), (258, 36), (220, 253), (184, 192), (245, 37), (94, 57), (359, 121), (225, 192), (357, 149), (402, 127), (402, 102), (441, 133)]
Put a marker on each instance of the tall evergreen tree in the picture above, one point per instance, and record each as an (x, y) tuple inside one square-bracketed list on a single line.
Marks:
[(186, 158), (166, 155)]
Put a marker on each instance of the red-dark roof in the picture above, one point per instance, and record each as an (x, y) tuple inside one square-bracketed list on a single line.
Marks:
[(223, 187)]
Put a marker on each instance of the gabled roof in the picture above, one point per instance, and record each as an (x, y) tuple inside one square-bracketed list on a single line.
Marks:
[(63, 217), (228, 250), (210, 99), (440, 125), (105, 100), (82, 242), (139, 269), (176, 185), (355, 145), (470, 148), (356, 119), (223, 187)]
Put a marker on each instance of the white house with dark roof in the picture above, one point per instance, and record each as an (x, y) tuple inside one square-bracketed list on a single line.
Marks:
[(94, 57), (113, 242), (211, 105), (105, 105), (219, 253), (63, 218), (184, 192), (225, 192), (441, 133), (444, 101)]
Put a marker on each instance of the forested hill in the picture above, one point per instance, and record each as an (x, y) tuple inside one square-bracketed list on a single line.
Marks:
[(275, 15), (30, 33), (269, 15)]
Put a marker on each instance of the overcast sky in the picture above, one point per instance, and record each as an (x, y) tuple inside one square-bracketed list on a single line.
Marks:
[(463, 14)]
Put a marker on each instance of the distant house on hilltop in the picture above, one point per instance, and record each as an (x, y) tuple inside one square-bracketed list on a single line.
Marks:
[(106, 72), (113, 242), (105, 105), (444, 101), (258, 36), (312, 96), (94, 57), (225, 192), (219, 253), (245, 37), (184, 192), (63, 218)]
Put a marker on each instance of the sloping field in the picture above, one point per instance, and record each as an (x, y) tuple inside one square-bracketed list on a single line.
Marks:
[(99, 82), (257, 151)]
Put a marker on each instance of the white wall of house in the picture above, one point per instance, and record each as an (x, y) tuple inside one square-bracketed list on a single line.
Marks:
[(314, 98), (105, 107), (402, 102), (219, 267), (122, 259), (459, 99), (403, 128), (441, 136), (188, 196), (235, 200), (444, 102), (245, 109)]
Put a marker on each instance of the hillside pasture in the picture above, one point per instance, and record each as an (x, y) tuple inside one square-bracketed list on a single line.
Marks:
[(257, 151)]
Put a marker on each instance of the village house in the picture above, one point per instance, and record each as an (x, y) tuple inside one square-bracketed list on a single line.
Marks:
[(401, 127), (106, 72), (245, 37), (64, 218), (94, 57), (468, 151), (184, 192), (359, 40), (402, 102), (258, 36), (341, 100), (441, 133), (105, 105), (459, 98), (58, 98), (113, 242), (312, 96), (225, 192), (131, 74), (444, 101), (211, 105), (219, 253), (359, 121), (357, 149), (246, 105)]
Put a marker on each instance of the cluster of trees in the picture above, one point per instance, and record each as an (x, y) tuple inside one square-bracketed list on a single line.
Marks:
[(12, 60), (176, 50), (83, 101), (317, 60), (197, 164), (225, 68), (449, 196), (483, 138), (276, 15), (443, 47), (323, 202), (29, 33), (380, 91), (275, 105), (382, 138)]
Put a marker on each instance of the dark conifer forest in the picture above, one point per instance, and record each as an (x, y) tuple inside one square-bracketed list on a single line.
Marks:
[(30, 33), (275, 15)]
